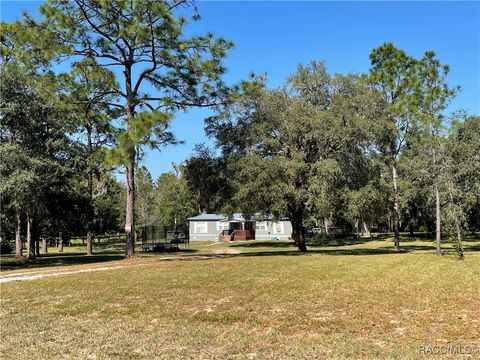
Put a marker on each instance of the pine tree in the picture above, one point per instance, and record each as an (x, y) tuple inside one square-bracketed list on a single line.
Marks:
[(144, 41)]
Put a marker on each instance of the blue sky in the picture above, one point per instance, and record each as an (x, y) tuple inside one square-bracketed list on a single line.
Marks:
[(273, 37)]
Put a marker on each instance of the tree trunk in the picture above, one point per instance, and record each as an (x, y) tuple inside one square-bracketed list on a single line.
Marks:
[(89, 242), (199, 197), (366, 229), (90, 190), (438, 225), (296, 219), (18, 232), (37, 247), (325, 225), (396, 208), (30, 243), (60, 242), (357, 228), (299, 236), (130, 219), (458, 226), (143, 214), (410, 227), (294, 234), (35, 238), (438, 235), (45, 246), (130, 213)]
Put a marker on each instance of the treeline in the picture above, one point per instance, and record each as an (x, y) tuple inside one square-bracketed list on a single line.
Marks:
[(53, 183), (368, 150), (87, 87), (77, 106), (166, 202)]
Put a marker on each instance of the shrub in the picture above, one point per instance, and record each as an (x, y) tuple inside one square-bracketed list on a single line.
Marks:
[(458, 248)]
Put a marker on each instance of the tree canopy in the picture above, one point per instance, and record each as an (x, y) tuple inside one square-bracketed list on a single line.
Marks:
[(144, 42)]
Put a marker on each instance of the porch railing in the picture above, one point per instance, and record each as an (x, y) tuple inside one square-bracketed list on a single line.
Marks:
[(236, 235)]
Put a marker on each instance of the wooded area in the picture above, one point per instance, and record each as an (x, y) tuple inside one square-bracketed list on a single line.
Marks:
[(90, 85), (328, 210)]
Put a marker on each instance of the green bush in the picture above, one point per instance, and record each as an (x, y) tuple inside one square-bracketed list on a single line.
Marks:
[(458, 248), (6, 247)]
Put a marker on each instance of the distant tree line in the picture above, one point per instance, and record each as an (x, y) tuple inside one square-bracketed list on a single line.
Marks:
[(90, 67), (375, 150)]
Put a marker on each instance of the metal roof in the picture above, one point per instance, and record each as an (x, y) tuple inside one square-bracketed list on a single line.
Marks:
[(208, 217), (220, 217), (235, 217)]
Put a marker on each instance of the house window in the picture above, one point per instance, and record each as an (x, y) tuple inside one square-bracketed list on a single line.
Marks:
[(201, 227), (261, 225)]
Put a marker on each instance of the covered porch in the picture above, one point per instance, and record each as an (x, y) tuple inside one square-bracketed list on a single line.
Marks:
[(237, 230)]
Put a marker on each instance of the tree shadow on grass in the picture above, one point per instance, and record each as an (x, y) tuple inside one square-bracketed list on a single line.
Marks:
[(60, 259), (314, 250), (342, 241), (359, 251), (266, 243), (102, 254), (279, 248), (294, 253), (285, 246), (470, 248), (311, 242), (385, 250)]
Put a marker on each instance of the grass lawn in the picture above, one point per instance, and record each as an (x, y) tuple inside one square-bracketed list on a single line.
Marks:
[(344, 299)]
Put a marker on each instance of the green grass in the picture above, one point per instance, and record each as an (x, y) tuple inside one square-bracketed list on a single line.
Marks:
[(345, 299)]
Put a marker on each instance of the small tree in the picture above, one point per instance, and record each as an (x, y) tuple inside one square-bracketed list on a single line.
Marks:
[(435, 96), (461, 168)]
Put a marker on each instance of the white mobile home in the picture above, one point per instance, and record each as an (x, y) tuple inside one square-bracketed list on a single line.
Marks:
[(223, 228)]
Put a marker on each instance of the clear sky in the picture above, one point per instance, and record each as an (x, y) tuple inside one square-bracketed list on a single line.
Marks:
[(273, 37)]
